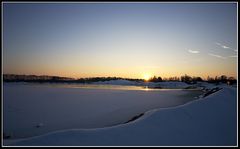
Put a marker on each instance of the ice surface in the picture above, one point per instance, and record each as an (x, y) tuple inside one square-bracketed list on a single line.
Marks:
[(32, 109)]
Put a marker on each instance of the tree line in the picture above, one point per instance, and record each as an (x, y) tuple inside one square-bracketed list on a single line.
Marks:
[(194, 79), (56, 79), (185, 78)]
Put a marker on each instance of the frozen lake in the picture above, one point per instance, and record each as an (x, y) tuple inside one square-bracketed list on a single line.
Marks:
[(35, 109)]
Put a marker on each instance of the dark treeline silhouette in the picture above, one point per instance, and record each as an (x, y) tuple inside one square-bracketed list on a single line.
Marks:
[(96, 79), (34, 78), (56, 79), (155, 79), (194, 79), (190, 80), (185, 78), (222, 79)]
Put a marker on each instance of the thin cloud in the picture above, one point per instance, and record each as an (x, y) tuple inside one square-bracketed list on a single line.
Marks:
[(233, 56), (215, 55), (192, 51), (218, 44), (224, 46)]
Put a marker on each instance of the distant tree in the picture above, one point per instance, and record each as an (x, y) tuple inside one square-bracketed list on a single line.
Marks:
[(216, 78), (223, 79), (153, 79), (231, 80), (176, 79), (159, 79), (186, 79), (197, 79), (210, 79), (173, 79), (165, 79)]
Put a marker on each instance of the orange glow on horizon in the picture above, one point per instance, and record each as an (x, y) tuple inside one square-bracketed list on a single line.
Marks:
[(146, 77)]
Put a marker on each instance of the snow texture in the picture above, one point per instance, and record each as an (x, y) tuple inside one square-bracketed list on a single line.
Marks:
[(210, 121), (167, 85)]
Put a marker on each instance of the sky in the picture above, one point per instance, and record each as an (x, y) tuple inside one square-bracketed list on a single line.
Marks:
[(120, 39)]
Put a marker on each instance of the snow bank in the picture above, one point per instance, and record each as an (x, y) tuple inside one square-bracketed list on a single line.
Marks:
[(165, 85), (210, 121), (169, 85), (116, 82)]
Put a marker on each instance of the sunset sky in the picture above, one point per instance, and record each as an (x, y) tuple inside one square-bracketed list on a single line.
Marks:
[(121, 39)]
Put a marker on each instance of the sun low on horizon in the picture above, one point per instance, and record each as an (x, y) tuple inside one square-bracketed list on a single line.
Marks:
[(120, 39), (146, 76)]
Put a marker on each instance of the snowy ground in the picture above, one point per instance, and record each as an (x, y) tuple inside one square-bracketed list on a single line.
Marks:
[(166, 85), (39, 109), (209, 121)]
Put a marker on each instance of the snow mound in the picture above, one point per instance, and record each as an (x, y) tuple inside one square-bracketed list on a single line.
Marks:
[(167, 85), (116, 82), (170, 85)]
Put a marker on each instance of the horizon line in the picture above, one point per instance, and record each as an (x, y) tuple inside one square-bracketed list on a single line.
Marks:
[(118, 76)]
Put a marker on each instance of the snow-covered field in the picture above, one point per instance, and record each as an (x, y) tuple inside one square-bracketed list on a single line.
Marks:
[(33, 109), (166, 85), (209, 121)]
